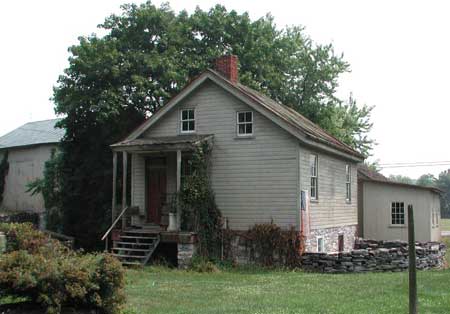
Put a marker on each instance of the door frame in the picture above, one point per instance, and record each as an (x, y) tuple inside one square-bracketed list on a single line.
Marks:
[(149, 165)]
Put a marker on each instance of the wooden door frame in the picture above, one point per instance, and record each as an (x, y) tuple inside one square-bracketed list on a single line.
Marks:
[(148, 168)]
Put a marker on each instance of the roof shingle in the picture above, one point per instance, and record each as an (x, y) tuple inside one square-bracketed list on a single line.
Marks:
[(33, 133)]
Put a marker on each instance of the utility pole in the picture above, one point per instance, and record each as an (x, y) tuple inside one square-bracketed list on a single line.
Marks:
[(412, 262)]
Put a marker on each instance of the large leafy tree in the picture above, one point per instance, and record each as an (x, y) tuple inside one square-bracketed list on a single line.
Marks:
[(147, 55)]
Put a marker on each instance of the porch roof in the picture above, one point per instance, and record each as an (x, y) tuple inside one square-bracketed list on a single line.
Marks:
[(164, 143)]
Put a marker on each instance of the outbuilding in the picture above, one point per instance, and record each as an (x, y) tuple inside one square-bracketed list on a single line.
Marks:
[(383, 208), (27, 148)]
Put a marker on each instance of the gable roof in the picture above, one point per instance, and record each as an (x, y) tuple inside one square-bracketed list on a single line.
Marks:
[(33, 133), (365, 174), (287, 118)]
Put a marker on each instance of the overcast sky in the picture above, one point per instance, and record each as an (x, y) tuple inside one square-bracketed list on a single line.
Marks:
[(399, 53)]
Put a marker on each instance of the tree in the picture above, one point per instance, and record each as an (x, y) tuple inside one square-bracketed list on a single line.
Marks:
[(443, 183), (427, 180), (147, 55), (401, 179)]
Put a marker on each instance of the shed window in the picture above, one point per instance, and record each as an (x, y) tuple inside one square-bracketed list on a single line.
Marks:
[(313, 160), (398, 213), (245, 123), (348, 185), (187, 120), (320, 244)]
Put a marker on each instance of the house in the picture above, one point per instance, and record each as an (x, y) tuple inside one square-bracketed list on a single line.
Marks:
[(383, 212), (264, 154), (28, 148)]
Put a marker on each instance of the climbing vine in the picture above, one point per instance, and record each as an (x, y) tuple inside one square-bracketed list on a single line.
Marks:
[(199, 210), (270, 246), (4, 167)]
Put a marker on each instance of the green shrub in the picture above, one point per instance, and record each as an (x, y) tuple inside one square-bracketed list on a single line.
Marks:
[(202, 264), (23, 237), (53, 276), (271, 246)]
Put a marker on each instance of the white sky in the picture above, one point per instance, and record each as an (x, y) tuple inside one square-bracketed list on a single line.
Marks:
[(398, 50)]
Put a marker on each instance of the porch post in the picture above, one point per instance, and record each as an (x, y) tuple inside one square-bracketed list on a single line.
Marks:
[(178, 187), (124, 185), (114, 185)]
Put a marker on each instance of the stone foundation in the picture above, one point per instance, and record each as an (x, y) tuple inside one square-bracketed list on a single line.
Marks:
[(330, 237), (185, 253), (376, 256)]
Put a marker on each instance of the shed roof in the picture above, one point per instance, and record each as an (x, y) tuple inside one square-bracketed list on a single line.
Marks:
[(33, 133), (365, 174)]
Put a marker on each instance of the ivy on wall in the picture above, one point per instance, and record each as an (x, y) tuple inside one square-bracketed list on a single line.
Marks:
[(199, 210), (4, 167)]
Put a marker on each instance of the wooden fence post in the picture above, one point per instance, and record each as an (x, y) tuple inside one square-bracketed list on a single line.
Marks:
[(412, 262)]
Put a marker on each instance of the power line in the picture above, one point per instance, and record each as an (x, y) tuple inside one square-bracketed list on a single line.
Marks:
[(413, 165), (415, 162)]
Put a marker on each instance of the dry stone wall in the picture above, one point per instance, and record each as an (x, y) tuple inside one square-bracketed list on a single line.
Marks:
[(376, 256)]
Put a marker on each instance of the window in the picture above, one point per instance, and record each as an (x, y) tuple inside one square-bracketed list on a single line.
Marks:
[(313, 171), (245, 123), (187, 121), (348, 186), (435, 218), (320, 245), (398, 213)]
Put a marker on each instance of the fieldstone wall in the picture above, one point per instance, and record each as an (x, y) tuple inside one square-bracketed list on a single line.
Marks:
[(330, 236), (373, 256), (185, 253)]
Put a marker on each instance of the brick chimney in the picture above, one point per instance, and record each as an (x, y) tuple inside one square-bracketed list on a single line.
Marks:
[(227, 65)]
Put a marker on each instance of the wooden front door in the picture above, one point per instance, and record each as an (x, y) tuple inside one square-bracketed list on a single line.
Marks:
[(156, 193)]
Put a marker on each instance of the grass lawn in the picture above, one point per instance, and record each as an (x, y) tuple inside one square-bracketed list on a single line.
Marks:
[(160, 290), (445, 224)]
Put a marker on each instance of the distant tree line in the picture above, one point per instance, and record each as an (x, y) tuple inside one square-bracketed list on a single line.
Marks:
[(441, 182)]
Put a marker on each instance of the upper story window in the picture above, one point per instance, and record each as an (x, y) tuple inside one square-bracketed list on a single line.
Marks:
[(398, 213), (313, 165), (348, 181), (187, 121), (245, 123)]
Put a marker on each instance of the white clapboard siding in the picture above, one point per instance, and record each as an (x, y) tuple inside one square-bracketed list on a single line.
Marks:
[(255, 180), (331, 209)]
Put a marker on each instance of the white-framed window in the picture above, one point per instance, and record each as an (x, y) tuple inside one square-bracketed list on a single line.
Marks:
[(187, 120), (313, 163), (398, 213), (320, 244), (435, 218), (244, 123), (348, 183)]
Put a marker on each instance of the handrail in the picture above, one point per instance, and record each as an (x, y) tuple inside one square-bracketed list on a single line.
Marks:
[(114, 223)]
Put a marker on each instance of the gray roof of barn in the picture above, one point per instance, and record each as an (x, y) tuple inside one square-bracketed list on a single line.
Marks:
[(33, 133)]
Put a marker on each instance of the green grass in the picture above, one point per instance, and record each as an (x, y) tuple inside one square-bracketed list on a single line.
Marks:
[(445, 224), (159, 290)]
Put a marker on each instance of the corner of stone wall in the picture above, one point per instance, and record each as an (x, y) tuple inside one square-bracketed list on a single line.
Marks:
[(186, 249)]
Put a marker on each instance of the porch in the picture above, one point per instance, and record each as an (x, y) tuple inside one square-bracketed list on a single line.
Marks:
[(149, 214)]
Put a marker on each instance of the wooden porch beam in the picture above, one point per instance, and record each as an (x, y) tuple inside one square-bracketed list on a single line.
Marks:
[(124, 184), (114, 185), (178, 187)]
